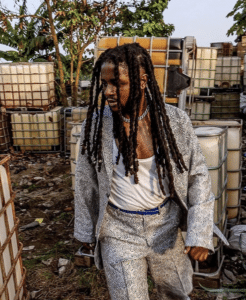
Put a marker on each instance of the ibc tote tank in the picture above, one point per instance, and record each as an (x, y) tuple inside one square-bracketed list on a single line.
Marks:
[(27, 85), (213, 141)]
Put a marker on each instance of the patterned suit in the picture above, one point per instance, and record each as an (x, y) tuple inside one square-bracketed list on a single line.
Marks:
[(193, 187)]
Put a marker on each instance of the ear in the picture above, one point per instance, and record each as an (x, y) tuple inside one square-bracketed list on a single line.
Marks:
[(143, 81)]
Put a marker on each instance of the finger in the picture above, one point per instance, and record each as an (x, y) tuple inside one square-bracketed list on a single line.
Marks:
[(187, 250)]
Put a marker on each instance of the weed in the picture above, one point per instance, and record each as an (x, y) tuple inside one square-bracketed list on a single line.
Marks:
[(47, 275), (32, 187), (150, 284), (31, 263), (63, 216)]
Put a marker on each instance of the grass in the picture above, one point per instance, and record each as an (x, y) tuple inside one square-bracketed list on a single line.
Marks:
[(58, 250), (63, 216)]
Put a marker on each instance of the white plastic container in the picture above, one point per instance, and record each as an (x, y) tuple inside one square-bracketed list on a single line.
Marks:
[(27, 85), (234, 139), (75, 133), (204, 75), (12, 273), (73, 116), (244, 73), (200, 110), (228, 71), (37, 130), (73, 163), (213, 141)]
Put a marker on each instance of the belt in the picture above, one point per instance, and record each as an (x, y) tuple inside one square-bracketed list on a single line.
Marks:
[(152, 211)]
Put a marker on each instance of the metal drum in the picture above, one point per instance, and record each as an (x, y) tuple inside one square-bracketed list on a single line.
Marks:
[(12, 273), (213, 141), (234, 166), (27, 85)]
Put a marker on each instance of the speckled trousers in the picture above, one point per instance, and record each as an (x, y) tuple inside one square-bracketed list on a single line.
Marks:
[(130, 244)]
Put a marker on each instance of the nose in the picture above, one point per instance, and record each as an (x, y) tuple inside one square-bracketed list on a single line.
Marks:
[(109, 90)]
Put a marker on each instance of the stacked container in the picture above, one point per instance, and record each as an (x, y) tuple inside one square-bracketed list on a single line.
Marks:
[(12, 273), (226, 105), (5, 138), (200, 108), (227, 91), (164, 52), (213, 141), (205, 68), (228, 72), (234, 168), (73, 116), (37, 131), (224, 49), (27, 85), (27, 93), (244, 75), (75, 142)]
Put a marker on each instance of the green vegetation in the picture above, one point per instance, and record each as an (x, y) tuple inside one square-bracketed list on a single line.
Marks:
[(75, 25), (239, 17)]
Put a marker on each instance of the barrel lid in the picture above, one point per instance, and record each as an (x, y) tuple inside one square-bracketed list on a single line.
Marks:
[(209, 131)]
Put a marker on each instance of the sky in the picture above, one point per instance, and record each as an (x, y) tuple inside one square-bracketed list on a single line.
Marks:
[(204, 19)]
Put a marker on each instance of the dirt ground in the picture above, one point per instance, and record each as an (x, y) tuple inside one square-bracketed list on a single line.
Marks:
[(42, 183)]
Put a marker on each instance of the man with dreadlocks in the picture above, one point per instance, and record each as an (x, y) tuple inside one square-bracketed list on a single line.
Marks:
[(140, 175)]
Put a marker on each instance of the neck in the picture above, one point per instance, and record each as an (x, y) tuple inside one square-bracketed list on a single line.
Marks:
[(142, 106)]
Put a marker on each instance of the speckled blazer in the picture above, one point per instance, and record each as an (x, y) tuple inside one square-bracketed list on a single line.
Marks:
[(193, 187)]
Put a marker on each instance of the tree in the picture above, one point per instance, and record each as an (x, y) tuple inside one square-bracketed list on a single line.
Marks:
[(144, 18), (28, 36), (239, 18), (80, 22)]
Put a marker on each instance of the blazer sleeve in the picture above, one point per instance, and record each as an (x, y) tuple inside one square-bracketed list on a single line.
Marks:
[(86, 197), (200, 219)]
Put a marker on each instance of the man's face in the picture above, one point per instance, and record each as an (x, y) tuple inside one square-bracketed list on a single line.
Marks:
[(109, 86)]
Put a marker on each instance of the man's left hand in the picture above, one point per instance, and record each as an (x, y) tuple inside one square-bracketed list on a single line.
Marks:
[(197, 253)]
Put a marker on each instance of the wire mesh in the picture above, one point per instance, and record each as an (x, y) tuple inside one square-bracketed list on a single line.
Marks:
[(38, 131), (205, 68), (225, 106), (12, 273), (27, 85), (228, 71), (5, 137), (234, 165), (200, 110), (73, 116)]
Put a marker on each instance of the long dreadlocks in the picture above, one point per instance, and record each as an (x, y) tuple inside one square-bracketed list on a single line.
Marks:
[(134, 57)]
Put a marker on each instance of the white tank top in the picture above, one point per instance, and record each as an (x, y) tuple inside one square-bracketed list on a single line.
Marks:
[(127, 195)]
